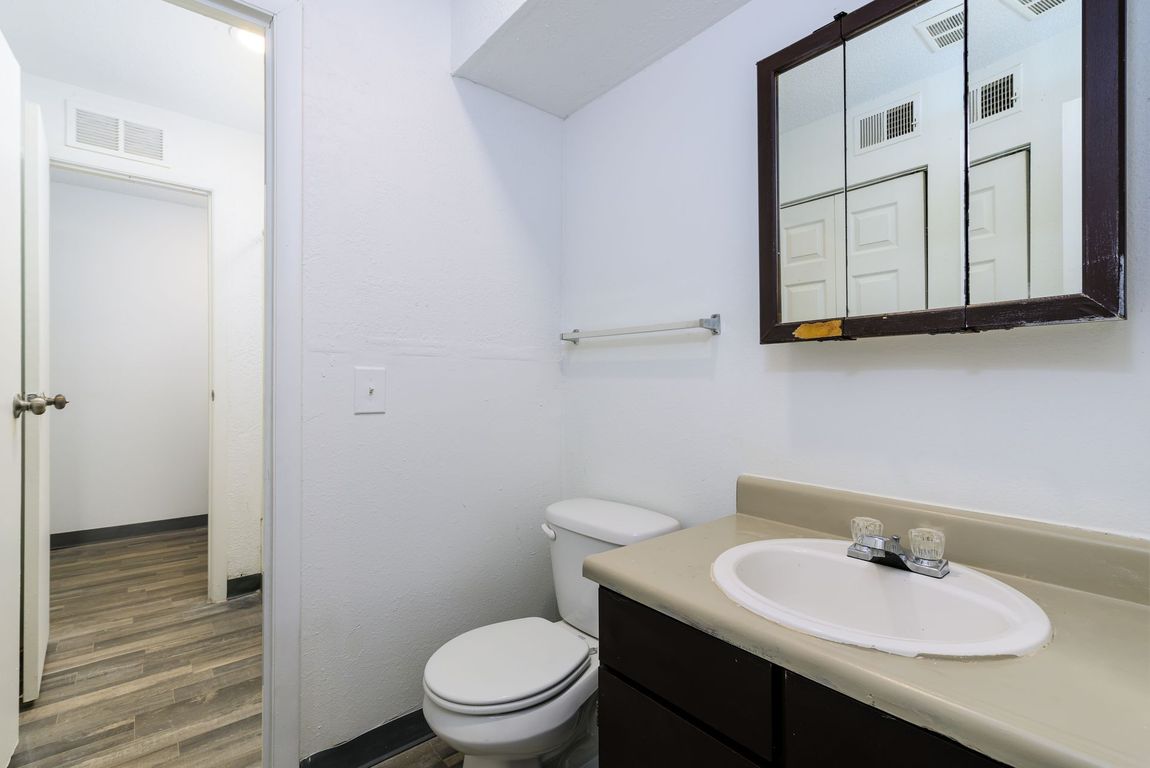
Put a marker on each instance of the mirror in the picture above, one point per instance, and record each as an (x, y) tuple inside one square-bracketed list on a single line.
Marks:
[(944, 166), (1025, 149), (812, 253), (905, 163)]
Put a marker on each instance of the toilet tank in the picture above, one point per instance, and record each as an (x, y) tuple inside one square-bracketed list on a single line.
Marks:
[(584, 527)]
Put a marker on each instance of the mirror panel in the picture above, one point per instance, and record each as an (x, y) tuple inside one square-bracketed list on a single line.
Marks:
[(811, 173), (905, 163), (1025, 149)]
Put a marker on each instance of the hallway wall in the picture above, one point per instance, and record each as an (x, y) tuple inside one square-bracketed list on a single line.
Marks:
[(129, 320)]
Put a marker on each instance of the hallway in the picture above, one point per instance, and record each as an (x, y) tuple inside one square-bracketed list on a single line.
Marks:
[(141, 669)]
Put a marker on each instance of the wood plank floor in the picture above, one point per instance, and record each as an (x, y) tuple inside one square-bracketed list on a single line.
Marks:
[(141, 669)]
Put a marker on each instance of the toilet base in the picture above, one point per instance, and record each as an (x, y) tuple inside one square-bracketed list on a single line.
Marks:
[(485, 761)]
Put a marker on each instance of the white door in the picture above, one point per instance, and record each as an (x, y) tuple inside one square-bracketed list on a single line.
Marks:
[(812, 270), (999, 230), (36, 379), (10, 380), (886, 246)]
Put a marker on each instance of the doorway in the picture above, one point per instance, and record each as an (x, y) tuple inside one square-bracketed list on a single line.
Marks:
[(147, 479)]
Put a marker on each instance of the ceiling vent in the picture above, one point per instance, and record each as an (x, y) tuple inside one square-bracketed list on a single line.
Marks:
[(887, 126), (1033, 8), (100, 132), (946, 29), (995, 98)]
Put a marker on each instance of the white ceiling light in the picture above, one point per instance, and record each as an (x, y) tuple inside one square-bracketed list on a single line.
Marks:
[(249, 40)]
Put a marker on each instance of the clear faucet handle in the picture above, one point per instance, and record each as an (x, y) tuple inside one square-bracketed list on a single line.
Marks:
[(865, 526), (927, 543)]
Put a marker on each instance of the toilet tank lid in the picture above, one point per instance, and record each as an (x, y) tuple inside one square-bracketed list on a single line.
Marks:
[(609, 521)]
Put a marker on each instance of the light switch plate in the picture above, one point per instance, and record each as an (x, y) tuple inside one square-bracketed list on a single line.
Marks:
[(369, 390)]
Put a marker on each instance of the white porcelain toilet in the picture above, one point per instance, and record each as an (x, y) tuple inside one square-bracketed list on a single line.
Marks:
[(510, 694)]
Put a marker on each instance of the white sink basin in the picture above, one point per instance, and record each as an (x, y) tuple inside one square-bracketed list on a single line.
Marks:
[(810, 585)]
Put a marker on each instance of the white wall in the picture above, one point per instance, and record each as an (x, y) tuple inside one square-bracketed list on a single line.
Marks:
[(129, 318), (229, 163), (660, 222), (431, 246)]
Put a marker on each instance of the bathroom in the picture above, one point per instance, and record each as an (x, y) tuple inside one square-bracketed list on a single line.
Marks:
[(431, 236)]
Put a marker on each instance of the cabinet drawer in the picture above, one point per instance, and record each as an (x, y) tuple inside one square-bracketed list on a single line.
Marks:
[(824, 727), (635, 730), (724, 687)]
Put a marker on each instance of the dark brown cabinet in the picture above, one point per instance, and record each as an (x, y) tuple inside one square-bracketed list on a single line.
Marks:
[(673, 696)]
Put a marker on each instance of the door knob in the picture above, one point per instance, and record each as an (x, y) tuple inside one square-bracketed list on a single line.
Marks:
[(37, 404)]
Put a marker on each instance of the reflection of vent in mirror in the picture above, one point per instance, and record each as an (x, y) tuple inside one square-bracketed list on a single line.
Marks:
[(1032, 8), (97, 130), (994, 98), (887, 126), (88, 129), (945, 29)]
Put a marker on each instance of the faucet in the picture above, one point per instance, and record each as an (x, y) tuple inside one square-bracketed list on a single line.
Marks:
[(926, 545)]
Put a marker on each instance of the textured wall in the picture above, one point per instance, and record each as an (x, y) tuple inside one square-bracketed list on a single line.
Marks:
[(431, 247), (660, 222), (228, 162)]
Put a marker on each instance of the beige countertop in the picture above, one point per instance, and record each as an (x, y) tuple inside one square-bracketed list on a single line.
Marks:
[(1084, 700)]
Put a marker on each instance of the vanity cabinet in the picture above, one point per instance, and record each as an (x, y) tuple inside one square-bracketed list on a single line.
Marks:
[(674, 696)]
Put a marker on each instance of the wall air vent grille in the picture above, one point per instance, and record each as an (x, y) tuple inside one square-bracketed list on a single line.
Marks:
[(994, 98), (98, 131), (1032, 8), (886, 126), (946, 29), (143, 141)]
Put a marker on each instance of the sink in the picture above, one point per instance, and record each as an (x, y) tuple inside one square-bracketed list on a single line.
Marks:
[(810, 585)]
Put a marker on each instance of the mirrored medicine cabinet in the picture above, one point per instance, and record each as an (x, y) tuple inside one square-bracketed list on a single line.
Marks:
[(942, 166)]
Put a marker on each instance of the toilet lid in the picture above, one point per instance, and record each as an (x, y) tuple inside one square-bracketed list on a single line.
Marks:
[(505, 663)]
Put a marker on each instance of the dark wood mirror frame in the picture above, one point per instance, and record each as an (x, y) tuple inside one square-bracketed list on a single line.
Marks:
[(1103, 192)]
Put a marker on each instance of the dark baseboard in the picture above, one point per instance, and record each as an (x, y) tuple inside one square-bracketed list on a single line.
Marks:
[(245, 585), (375, 746), (76, 538)]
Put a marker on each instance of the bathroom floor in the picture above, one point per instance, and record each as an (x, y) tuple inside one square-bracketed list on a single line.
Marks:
[(429, 754), (141, 669)]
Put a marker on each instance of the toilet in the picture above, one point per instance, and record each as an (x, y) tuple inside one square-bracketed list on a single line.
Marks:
[(511, 694)]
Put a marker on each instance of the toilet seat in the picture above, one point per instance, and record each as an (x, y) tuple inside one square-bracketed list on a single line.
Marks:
[(505, 667)]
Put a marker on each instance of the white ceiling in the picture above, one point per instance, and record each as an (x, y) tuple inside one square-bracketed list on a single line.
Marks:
[(147, 51), (558, 55)]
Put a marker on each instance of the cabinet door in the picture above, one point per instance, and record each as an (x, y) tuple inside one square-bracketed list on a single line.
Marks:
[(635, 730), (826, 728), (717, 684)]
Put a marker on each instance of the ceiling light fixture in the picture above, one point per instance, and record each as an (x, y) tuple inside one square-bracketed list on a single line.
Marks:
[(249, 40)]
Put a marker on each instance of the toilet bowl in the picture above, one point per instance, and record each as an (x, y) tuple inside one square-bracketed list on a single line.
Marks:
[(518, 693), (519, 723)]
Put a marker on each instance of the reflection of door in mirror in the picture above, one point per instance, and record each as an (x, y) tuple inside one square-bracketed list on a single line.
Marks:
[(1025, 149), (812, 259), (811, 227), (886, 246), (905, 162), (1000, 229)]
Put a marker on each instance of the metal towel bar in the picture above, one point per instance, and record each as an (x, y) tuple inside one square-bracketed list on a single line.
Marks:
[(711, 324)]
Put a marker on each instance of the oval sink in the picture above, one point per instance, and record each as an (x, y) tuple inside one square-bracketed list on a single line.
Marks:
[(810, 585)]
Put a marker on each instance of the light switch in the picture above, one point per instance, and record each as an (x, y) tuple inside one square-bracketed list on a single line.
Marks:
[(369, 390)]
